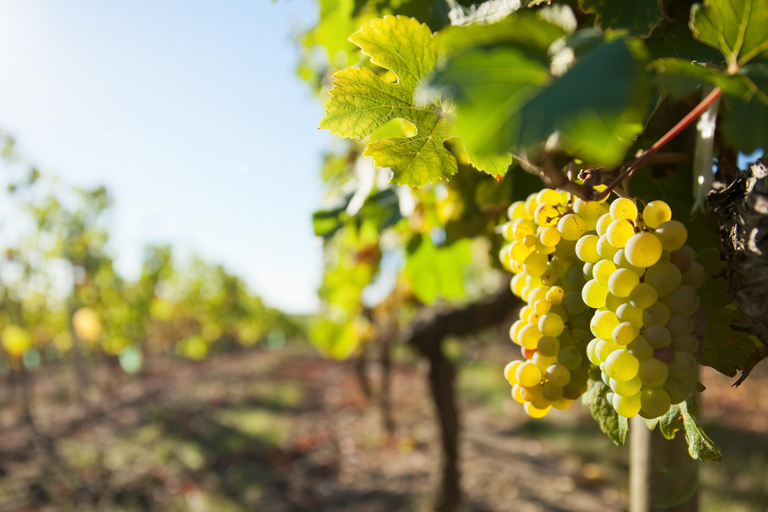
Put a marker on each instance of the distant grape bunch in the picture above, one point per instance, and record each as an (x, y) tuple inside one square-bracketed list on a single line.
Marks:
[(606, 287)]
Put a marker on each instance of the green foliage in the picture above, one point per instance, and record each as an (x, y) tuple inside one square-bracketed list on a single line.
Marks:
[(639, 17), (738, 28), (437, 272), (682, 416), (610, 422)]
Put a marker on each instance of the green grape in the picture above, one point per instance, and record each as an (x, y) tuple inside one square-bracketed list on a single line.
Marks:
[(656, 213), (695, 277), (629, 313), (571, 226), (536, 264), (605, 378), (574, 304), (686, 343), (618, 232), (529, 336), (570, 357), (551, 325), (517, 283), (542, 306), (531, 203), (623, 208), (522, 228), (549, 236), (652, 373), (602, 224), (514, 331), (567, 248), (533, 281), (581, 337), (517, 394), (541, 248), (625, 333), (612, 302), (560, 265), (626, 388), (510, 370), (621, 261), (538, 293), (605, 348), (655, 402), (627, 406), (549, 196), (683, 300), (640, 348), (594, 294), (518, 251), (680, 325), (558, 374), (643, 250), (535, 412), (551, 392), (586, 249), (528, 374), (575, 277), (680, 388), (643, 296), (586, 209), (560, 311), (621, 365), (622, 282), (548, 346), (672, 235), (529, 241), (586, 271), (605, 249), (546, 215), (683, 365), (534, 395), (562, 403), (658, 336), (543, 362), (516, 210), (603, 323), (592, 351), (555, 295), (657, 314), (602, 271)]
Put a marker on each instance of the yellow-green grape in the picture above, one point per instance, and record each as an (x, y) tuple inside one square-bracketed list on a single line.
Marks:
[(686, 343), (560, 265), (643, 296), (536, 264), (538, 293), (594, 294), (695, 276), (656, 213), (518, 251), (531, 203), (592, 352), (623, 208), (655, 402), (558, 374), (551, 324), (546, 215), (533, 395), (603, 323), (526, 312), (562, 403), (612, 302), (640, 348), (535, 412), (549, 196), (586, 209), (605, 249), (571, 227), (574, 304), (657, 314), (529, 336), (533, 281), (621, 365), (517, 394), (643, 250), (622, 282), (672, 235), (621, 261), (542, 307), (652, 373), (517, 284), (516, 210), (528, 374), (510, 370), (570, 357), (548, 346), (624, 333), (605, 348), (683, 364), (543, 362), (665, 277), (602, 224), (505, 257), (626, 388), (529, 241), (683, 300), (549, 236), (551, 392), (540, 247), (566, 248), (586, 271), (555, 295), (586, 249), (627, 406), (629, 313), (680, 388), (618, 232), (522, 228), (514, 331), (602, 271)]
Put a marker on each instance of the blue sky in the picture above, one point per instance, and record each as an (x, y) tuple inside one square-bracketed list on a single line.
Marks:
[(190, 113)]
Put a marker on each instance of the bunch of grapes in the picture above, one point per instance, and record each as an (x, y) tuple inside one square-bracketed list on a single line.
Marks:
[(633, 294), (553, 329), (643, 286)]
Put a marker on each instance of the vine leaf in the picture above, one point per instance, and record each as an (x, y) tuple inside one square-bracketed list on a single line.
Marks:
[(610, 421), (640, 17), (682, 416), (436, 272), (738, 28), (723, 349), (362, 101)]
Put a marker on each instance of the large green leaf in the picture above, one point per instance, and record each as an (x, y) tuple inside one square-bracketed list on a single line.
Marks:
[(437, 272), (609, 420), (682, 416), (507, 102), (639, 17), (738, 28), (362, 101)]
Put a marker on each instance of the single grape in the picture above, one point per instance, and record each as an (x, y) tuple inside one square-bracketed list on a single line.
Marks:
[(549, 196), (680, 260), (603, 323), (602, 271), (696, 276), (652, 373), (672, 235), (623, 208), (570, 357), (680, 325), (555, 295), (562, 403), (592, 351), (640, 348), (602, 224), (643, 296), (543, 362), (621, 365), (594, 294), (618, 232), (586, 249), (535, 412), (680, 388), (658, 336), (558, 374), (571, 226), (529, 336), (551, 324), (605, 249), (551, 391), (683, 364), (535, 264), (626, 388), (629, 313), (605, 348), (622, 282), (516, 210), (548, 346), (528, 374), (656, 213), (625, 333), (627, 406), (546, 215), (657, 314), (643, 250), (549, 236), (683, 300), (510, 371), (517, 394), (665, 277), (655, 402)]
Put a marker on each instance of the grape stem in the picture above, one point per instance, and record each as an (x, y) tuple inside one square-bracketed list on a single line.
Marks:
[(671, 134)]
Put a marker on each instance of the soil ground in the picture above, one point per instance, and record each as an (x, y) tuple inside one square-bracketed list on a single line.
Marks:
[(286, 430)]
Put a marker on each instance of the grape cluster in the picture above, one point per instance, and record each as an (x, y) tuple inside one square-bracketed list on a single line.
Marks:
[(553, 329), (605, 273), (643, 287)]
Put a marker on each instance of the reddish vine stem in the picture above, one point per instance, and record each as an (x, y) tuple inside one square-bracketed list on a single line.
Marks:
[(671, 134)]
